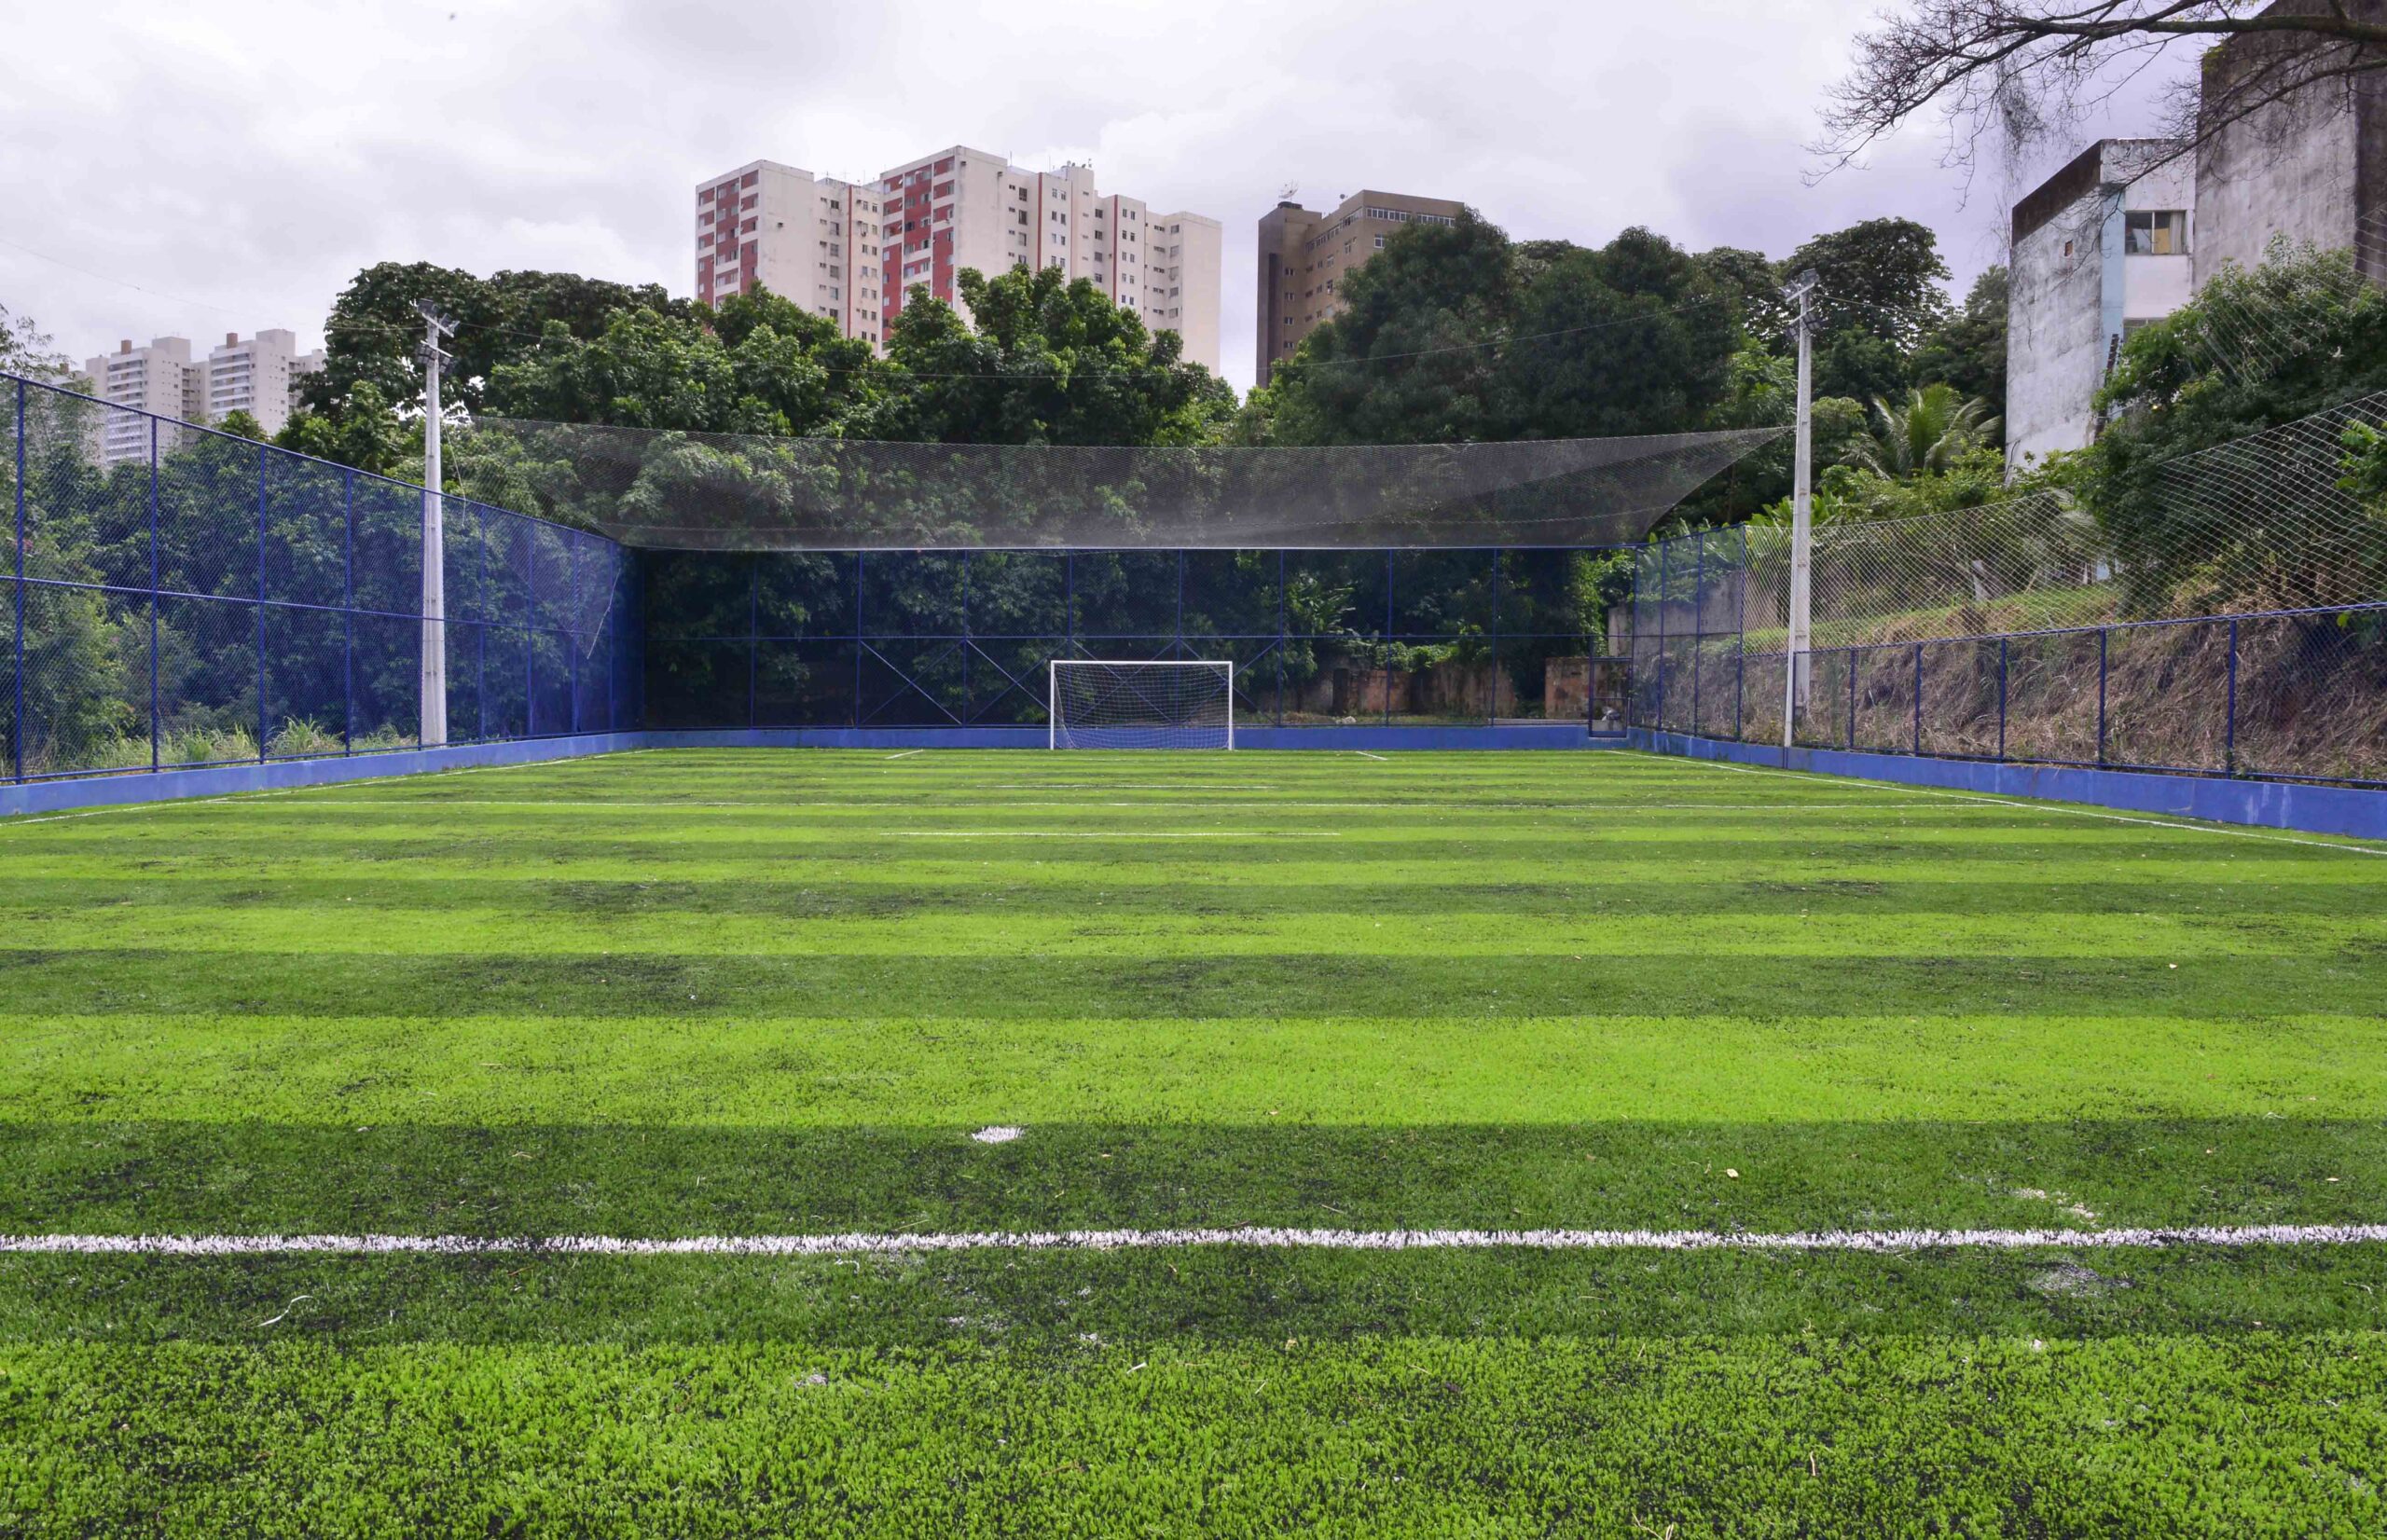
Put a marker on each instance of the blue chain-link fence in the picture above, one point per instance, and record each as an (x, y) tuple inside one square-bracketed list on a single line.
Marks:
[(178, 597), (2287, 694)]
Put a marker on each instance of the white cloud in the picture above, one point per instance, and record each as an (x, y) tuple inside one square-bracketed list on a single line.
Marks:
[(240, 161)]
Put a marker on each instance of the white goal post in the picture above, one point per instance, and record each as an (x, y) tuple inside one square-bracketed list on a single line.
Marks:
[(1112, 703)]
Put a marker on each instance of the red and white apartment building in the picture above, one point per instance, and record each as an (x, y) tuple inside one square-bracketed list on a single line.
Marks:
[(853, 251)]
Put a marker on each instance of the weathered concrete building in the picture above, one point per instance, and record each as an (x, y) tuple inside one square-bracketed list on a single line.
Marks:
[(2102, 247), (2133, 229), (2312, 166)]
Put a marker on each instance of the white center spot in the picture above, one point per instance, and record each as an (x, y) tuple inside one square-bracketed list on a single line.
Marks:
[(1001, 1133)]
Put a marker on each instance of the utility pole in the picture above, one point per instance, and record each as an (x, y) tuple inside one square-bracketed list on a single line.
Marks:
[(436, 328), (1794, 650)]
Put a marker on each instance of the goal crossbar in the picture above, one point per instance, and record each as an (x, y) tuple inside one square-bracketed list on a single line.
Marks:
[(1139, 703)]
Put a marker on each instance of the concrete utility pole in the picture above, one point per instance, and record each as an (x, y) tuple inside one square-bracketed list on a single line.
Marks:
[(1794, 650), (436, 328)]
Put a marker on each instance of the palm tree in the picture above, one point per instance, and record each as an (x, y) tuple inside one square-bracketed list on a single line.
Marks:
[(1925, 432)]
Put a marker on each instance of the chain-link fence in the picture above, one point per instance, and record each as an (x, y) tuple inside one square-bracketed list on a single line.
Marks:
[(2028, 630), (178, 597)]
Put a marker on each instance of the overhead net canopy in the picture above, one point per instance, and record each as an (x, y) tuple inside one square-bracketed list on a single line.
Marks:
[(664, 490)]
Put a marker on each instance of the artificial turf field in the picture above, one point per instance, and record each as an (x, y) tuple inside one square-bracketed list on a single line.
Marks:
[(737, 994)]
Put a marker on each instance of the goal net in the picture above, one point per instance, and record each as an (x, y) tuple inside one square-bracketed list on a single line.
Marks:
[(1098, 703)]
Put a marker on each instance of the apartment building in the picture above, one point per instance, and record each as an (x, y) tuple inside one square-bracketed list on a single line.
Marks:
[(159, 380), (1305, 257), (260, 377), (812, 239), (853, 251), (964, 208)]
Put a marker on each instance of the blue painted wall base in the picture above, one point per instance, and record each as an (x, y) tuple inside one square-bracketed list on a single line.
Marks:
[(62, 796), (2263, 804), (224, 780)]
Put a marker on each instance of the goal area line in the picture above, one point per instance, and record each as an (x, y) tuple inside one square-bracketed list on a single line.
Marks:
[(1256, 1237)]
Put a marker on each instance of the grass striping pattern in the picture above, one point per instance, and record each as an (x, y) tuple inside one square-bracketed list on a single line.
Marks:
[(750, 995)]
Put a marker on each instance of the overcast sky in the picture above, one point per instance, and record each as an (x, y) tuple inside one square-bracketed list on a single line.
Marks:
[(197, 169)]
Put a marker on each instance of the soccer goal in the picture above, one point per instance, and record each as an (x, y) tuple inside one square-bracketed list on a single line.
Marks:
[(1103, 702)]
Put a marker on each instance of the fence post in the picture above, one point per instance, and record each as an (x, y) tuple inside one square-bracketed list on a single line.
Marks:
[(1918, 699), (754, 633), (1698, 626), (1284, 625), (348, 612), (530, 631), (1739, 634), (2230, 720), (153, 594), (1850, 656), (17, 722), (2002, 645), (1492, 714), (1388, 638), (1658, 667), (859, 632), (480, 631), (264, 460), (2101, 634)]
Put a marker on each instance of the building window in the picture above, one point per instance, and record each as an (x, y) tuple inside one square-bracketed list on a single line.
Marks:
[(1379, 242), (2156, 232)]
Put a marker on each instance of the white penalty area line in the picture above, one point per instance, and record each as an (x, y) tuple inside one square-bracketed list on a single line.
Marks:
[(1985, 800), (863, 1243)]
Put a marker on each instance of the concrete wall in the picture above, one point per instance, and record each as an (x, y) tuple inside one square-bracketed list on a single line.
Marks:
[(2055, 338), (2308, 168)]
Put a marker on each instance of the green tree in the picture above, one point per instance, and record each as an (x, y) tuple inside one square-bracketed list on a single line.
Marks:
[(1927, 429), (1453, 333), (1967, 348), (2258, 347), (1040, 360), (1878, 295)]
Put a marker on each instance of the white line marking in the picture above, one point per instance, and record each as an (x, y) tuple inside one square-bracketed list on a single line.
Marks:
[(1986, 799), (946, 804), (158, 805), (907, 753), (1365, 755), (1874, 1242), (1111, 834)]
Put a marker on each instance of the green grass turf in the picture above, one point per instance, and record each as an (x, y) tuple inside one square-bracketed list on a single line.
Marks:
[(737, 992)]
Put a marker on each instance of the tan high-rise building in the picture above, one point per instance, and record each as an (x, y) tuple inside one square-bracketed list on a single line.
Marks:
[(853, 251), (964, 208), (1305, 257), (807, 239)]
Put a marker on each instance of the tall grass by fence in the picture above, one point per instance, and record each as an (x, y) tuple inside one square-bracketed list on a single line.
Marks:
[(180, 597)]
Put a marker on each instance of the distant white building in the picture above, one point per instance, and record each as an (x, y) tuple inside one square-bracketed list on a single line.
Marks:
[(2102, 248), (158, 380), (260, 377)]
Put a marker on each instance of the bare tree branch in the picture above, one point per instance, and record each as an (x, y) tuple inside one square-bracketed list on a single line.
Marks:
[(2022, 71)]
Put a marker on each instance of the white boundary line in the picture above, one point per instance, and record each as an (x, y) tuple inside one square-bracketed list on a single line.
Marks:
[(1365, 755), (854, 1244), (2033, 806), (907, 753)]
